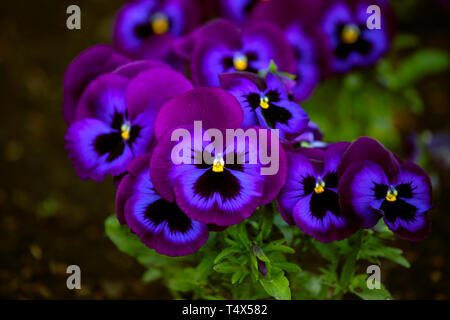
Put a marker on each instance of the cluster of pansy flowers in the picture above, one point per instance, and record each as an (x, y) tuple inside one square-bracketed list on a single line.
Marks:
[(123, 101)]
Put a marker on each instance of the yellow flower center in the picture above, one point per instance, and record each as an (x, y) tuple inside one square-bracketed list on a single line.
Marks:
[(218, 164), (264, 102), (350, 34), (391, 195), (160, 23), (125, 130), (320, 186), (240, 62)]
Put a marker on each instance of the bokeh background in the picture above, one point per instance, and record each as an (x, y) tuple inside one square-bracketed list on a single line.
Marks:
[(50, 219)]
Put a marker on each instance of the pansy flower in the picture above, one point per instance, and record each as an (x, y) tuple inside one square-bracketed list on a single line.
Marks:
[(114, 121), (295, 18), (220, 46), (160, 224), (87, 66), (147, 28), (347, 41), (266, 103), (309, 199), (374, 184), (227, 189)]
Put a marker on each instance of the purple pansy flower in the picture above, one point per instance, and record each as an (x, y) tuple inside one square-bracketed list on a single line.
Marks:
[(87, 66), (220, 46), (346, 40), (374, 184), (114, 121), (147, 28), (266, 103), (309, 199), (221, 193), (295, 18), (160, 224)]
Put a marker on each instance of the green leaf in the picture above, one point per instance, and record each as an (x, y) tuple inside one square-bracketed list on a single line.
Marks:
[(225, 267), (326, 251), (277, 286), (151, 275), (405, 41), (395, 255), (373, 249), (359, 287), (236, 276), (204, 269), (287, 266), (278, 246), (226, 252), (419, 65), (123, 238), (348, 269)]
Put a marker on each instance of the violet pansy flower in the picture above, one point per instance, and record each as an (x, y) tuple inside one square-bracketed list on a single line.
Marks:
[(374, 185), (160, 224), (309, 199), (221, 192), (266, 103), (114, 121), (147, 28), (221, 46), (347, 41)]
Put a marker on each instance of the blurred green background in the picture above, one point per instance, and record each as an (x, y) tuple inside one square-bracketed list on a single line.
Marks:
[(50, 219)]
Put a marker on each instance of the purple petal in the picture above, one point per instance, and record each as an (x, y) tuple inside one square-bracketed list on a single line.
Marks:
[(240, 85), (82, 70), (270, 43), (139, 167), (274, 182), (215, 107), (366, 148), (357, 193), (325, 229), (159, 224), (220, 30), (132, 69), (152, 88), (333, 155), (103, 98), (216, 209), (299, 167), (88, 162)]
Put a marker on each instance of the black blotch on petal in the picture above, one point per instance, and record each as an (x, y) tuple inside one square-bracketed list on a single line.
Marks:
[(224, 183), (275, 114), (228, 63), (118, 120), (134, 134), (253, 99), (323, 202), (273, 95), (398, 209), (143, 31), (162, 210), (380, 191), (404, 190), (309, 183), (111, 143), (331, 180)]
